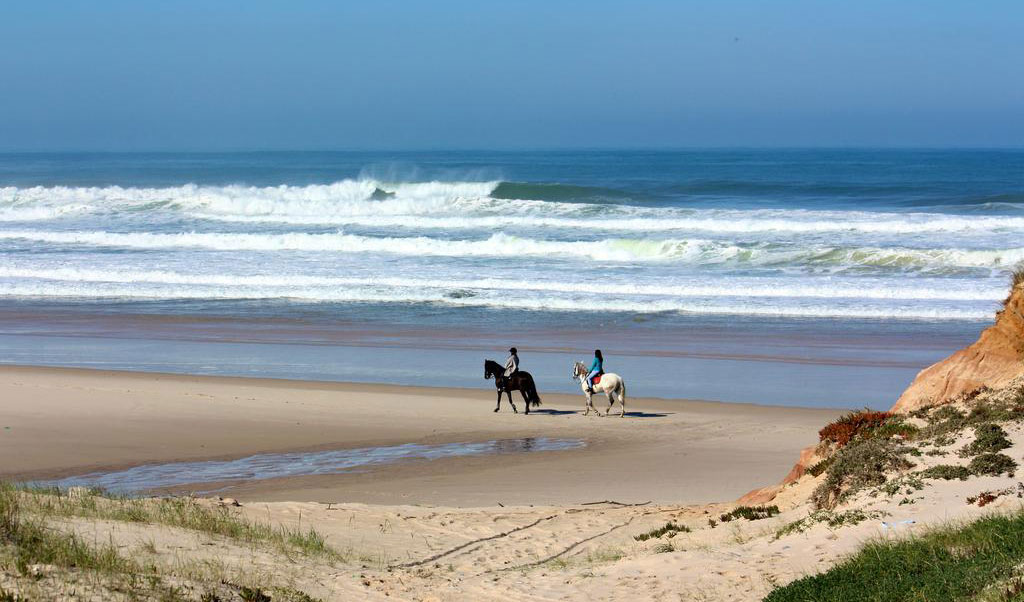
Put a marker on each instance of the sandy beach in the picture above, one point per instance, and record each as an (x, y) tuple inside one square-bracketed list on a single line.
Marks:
[(62, 422)]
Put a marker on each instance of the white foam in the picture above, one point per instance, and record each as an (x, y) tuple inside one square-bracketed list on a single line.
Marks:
[(279, 285), (497, 245), (545, 303), (468, 205), (686, 251)]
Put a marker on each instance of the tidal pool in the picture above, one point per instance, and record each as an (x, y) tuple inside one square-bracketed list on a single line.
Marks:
[(269, 466)]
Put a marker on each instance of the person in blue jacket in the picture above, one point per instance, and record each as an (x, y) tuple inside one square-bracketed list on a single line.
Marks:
[(597, 367)]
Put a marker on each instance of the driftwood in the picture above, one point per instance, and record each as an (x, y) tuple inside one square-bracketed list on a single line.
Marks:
[(471, 543)]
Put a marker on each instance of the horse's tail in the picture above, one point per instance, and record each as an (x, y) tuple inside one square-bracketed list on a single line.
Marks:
[(622, 391), (532, 393)]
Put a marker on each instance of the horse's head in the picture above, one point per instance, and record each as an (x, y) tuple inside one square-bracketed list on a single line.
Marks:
[(489, 369), (578, 369)]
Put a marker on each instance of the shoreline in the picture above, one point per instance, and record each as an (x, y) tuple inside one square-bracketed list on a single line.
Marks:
[(72, 421)]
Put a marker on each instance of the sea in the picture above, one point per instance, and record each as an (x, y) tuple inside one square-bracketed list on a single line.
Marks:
[(801, 277)]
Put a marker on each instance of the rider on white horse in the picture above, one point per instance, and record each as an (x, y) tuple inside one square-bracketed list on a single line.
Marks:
[(596, 369)]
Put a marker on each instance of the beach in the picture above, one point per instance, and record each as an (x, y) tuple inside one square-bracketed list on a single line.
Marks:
[(64, 422)]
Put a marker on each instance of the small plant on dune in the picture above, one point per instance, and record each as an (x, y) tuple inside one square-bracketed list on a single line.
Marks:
[(832, 519), (818, 468), (750, 513), (946, 472), (1016, 279), (988, 438), (993, 465), (254, 594), (847, 428), (664, 548), (670, 529), (906, 484), (6, 596), (859, 465)]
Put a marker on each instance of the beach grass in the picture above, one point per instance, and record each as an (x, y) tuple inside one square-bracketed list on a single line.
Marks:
[(180, 512), (980, 560), (35, 549)]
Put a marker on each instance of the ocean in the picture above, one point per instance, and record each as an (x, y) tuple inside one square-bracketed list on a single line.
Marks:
[(808, 277)]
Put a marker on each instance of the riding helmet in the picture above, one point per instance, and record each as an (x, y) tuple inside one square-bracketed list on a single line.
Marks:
[(513, 350)]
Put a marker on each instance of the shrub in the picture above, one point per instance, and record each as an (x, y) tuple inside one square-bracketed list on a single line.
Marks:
[(844, 430), (946, 472), (861, 464), (664, 548), (988, 438), (750, 513), (820, 467), (993, 464), (669, 529)]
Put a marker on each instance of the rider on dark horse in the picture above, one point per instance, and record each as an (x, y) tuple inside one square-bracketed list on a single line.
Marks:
[(510, 378), (512, 363)]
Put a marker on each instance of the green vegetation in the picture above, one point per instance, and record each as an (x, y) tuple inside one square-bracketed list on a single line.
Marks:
[(957, 563), (988, 438), (945, 421), (1016, 279), (29, 540), (184, 513), (851, 426), (832, 519), (906, 484), (992, 464), (863, 463), (750, 513), (947, 472), (820, 467), (670, 528)]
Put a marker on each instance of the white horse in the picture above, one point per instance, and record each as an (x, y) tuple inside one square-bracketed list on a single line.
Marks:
[(611, 385)]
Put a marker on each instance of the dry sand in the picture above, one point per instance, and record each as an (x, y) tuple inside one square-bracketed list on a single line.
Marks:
[(516, 527), (59, 422)]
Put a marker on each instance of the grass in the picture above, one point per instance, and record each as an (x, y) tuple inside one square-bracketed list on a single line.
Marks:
[(184, 513), (945, 421), (827, 517), (863, 463), (954, 563), (988, 438), (750, 513), (946, 472), (1016, 279), (27, 540), (670, 528), (993, 464)]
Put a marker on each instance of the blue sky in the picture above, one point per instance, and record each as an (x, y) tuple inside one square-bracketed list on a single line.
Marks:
[(215, 75)]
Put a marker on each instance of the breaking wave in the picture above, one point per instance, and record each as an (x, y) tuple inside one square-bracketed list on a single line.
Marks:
[(467, 205), (680, 251)]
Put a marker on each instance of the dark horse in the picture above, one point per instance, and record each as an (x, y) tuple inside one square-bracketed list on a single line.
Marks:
[(520, 381)]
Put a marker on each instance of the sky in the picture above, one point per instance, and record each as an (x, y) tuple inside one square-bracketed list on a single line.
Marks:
[(443, 74)]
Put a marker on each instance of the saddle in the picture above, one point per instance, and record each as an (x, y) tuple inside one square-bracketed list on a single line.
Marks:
[(597, 379)]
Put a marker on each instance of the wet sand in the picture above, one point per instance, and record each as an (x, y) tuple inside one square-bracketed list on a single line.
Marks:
[(59, 422)]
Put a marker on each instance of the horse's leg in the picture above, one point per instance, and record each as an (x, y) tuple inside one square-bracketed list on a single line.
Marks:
[(526, 400), (509, 393), (498, 405), (611, 401), (622, 399), (590, 405)]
